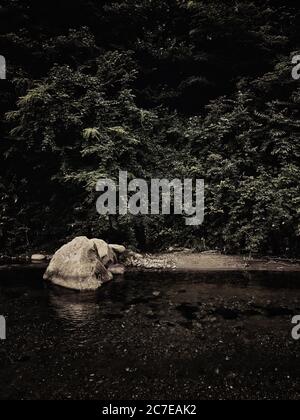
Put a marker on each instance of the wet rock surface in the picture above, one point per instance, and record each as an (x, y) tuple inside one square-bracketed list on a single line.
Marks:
[(117, 270), (151, 336)]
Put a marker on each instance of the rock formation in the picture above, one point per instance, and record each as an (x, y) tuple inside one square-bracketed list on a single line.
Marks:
[(83, 264)]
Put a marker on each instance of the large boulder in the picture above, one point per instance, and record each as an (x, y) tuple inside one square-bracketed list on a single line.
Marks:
[(78, 265)]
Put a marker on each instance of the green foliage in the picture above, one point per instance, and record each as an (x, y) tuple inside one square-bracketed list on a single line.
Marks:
[(159, 88)]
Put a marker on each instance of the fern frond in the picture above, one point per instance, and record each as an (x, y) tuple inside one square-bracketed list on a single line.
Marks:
[(91, 133), (34, 95)]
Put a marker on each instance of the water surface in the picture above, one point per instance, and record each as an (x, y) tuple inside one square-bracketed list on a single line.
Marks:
[(151, 336)]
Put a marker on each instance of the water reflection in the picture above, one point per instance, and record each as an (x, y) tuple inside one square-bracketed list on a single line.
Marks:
[(77, 308)]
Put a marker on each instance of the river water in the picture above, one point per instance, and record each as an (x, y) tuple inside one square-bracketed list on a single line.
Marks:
[(151, 336)]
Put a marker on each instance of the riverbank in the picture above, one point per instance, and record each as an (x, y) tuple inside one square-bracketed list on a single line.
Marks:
[(23, 259), (185, 261), (189, 261)]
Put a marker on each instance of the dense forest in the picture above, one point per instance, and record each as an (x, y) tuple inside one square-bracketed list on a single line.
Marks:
[(159, 88)]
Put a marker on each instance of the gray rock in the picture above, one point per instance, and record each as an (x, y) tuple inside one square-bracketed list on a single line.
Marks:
[(117, 270), (78, 265), (105, 252), (102, 247), (118, 249), (38, 258), (110, 275)]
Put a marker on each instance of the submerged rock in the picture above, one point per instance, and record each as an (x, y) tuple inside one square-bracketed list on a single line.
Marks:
[(117, 269), (78, 265)]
